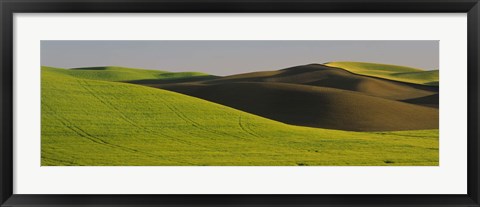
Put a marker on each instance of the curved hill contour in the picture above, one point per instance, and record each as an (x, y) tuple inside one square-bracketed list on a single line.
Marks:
[(313, 106)]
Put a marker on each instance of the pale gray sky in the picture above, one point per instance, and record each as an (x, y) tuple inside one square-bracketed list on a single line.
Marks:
[(233, 57)]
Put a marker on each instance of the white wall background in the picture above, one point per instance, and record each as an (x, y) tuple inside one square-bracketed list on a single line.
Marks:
[(448, 178)]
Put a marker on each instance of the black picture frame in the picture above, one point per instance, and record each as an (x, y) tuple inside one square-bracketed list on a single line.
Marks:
[(10, 7)]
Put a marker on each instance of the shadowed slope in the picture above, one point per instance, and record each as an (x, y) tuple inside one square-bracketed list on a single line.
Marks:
[(314, 106), (431, 101), (174, 80)]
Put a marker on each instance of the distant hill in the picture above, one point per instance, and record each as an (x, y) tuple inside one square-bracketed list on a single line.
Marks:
[(89, 120), (392, 72), (114, 73)]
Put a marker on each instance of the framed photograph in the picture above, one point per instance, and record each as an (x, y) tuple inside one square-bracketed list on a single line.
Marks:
[(239, 103)]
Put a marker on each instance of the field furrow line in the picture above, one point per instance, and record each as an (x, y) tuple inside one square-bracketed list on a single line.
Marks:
[(246, 129), (82, 133), (176, 111), (106, 103), (62, 161), (70, 126), (124, 117), (185, 118), (196, 124)]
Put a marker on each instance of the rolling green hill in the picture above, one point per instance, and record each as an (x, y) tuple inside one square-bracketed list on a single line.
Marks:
[(113, 73), (103, 123), (392, 72)]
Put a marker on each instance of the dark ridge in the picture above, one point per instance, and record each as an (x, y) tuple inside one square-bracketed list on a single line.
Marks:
[(174, 80), (314, 106), (430, 101), (90, 68)]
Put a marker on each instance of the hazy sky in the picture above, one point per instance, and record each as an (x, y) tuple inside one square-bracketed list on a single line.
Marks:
[(231, 57)]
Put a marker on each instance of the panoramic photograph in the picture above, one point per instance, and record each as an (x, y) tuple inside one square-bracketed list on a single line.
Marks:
[(239, 103)]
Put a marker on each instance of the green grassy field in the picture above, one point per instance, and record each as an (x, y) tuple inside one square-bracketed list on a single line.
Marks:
[(392, 72), (89, 120), (113, 73)]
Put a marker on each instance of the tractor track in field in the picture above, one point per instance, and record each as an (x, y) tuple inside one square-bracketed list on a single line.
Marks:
[(246, 129), (243, 127), (106, 103), (128, 120), (185, 118), (172, 108), (82, 133), (196, 124), (125, 118), (62, 161)]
